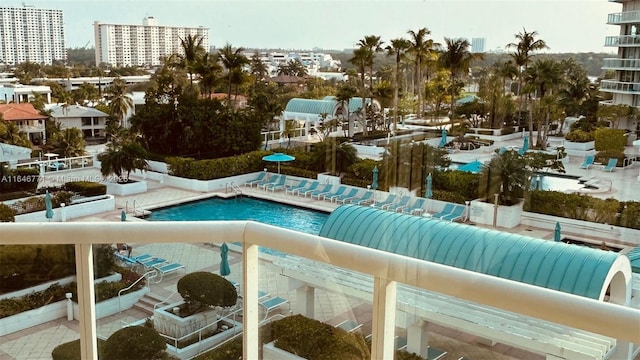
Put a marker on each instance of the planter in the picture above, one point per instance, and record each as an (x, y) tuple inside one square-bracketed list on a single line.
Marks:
[(189, 352), (34, 317), (167, 323), (585, 146), (114, 305), (271, 352), (329, 179), (126, 189), (506, 217)]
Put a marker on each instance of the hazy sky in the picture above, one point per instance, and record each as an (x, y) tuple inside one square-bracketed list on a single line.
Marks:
[(566, 25)]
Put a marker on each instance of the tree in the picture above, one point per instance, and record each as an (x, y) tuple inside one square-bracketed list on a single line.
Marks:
[(258, 68), (372, 45), (293, 68), (233, 61), (193, 53), (345, 92), (398, 49), (209, 70), (420, 47), (10, 134), (266, 105), (507, 175), (119, 102), (123, 155), (456, 58), (545, 76), (85, 92), (67, 143), (361, 59)]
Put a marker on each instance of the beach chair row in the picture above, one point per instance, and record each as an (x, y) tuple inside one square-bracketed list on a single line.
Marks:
[(339, 194), (147, 263), (450, 212), (268, 183)]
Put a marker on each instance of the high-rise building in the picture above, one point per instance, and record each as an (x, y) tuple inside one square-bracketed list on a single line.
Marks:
[(31, 34), (141, 45), (478, 45), (625, 86)]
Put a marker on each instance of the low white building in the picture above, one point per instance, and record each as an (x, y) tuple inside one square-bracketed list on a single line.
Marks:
[(90, 121), (19, 93)]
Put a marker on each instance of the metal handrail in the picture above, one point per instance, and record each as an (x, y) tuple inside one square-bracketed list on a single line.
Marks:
[(199, 331), (165, 301), (148, 273)]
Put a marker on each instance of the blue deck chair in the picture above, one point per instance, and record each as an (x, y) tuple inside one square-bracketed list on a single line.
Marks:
[(448, 209), (261, 177), (348, 197), (365, 199), (294, 189), (334, 194), (166, 269), (274, 180), (455, 215), (588, 162), (272, 304), (281, 184), (400, 205), (611, 165), (417, 208), (310, 189), (349, 326), (385, 204), (322, 192)]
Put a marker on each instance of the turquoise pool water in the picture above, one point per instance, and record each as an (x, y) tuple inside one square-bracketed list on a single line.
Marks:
[(245, 208)]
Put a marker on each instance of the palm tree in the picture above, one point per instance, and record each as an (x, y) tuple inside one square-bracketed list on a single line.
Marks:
[(209, 70), (123, 156), (373, 45), (457, 59), (233, 61), (67, 143), (361, 59), (398, 48), (10, 134), (343, 96), (506, 175), (420, 47), (545, 75), (526, 45), (258, 68), (119, 103), (193, 52)]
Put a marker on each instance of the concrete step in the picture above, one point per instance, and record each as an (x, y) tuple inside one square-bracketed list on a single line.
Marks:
[(144, 307)]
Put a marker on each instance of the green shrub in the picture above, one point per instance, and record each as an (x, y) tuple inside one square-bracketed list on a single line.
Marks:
[(22, 266), (315, 340), (507, 130), (86, 188), (580, 136), (134, 342), (604, 156), (207, 289), (7, 214), (610, 139), (71, 350), (34, 300), (217, 168), (485, 132), (456, 183)]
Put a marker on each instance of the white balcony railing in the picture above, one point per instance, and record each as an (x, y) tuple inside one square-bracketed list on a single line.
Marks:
[(621, 64), (620, 87), (388, 270), (623, 40), (624, 17)]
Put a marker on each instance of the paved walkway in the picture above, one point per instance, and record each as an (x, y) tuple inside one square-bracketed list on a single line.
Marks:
[(39, 341)]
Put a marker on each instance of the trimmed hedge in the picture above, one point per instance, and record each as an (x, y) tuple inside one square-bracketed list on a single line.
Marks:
[(580, 136), (610, 139), (134, 342), (217, 168), (71, 350), (86, 188), (604, 156), (209, 289)]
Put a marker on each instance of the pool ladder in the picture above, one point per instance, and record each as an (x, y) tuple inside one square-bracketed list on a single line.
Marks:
[(233, 187)]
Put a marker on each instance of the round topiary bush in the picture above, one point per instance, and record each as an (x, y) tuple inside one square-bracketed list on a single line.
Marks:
[(207, 289), (135, 342), (71, 350)]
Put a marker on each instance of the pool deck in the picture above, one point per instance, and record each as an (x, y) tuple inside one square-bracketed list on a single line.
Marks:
[(38, 342)]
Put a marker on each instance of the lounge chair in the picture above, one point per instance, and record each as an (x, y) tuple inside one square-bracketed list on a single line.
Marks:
[(365, 199), (261, 177), (274, 180), (348, 197), (272, 304), (148, 264), (436, 354), (400, 205), (448, 209), (321, 192), (588, 162), (456, 214), (349, 326), (313, 187), (294, 189), (339, 191), (417, 208), (611, 165), (281, 184), (385, 204), (165, 269)]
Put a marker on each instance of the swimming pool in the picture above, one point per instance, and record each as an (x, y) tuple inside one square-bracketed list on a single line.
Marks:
[(556, 183), (244, 208)]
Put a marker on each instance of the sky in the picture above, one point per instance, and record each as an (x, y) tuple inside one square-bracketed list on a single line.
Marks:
[(565, 25)]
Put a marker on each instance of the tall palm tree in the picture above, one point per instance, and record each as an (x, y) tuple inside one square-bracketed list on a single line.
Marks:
[(343, 96), (123, 155), (398, 49), (209, 70), (373, 45), (526, 45), (544, 75), (120, 103), (10, 133), (420, 46), (233, 61), (360, 59), (456, 58), (193, 52)]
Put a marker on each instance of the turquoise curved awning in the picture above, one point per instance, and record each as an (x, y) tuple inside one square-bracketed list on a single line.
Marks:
[(310, 106), (569, 268)]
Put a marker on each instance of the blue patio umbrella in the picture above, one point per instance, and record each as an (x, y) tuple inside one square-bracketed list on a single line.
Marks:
[(374, 183), (556, 233), (278, 157), (525, 144), (224, 260), (428, 193), (49, 206), (443, 141), (472, 167), (123, 216)]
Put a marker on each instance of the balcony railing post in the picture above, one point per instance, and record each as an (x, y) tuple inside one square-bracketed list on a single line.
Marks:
[(384, 318), (250, 335)]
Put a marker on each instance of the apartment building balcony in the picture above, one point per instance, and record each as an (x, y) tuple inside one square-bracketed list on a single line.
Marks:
[(625, 17), (620, 87), (622, 40), (621, 64)]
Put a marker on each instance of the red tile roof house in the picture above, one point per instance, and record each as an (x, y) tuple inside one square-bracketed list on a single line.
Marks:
[(28, 119)]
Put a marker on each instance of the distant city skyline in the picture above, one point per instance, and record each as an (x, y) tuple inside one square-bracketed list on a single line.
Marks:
[(565, 25)]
